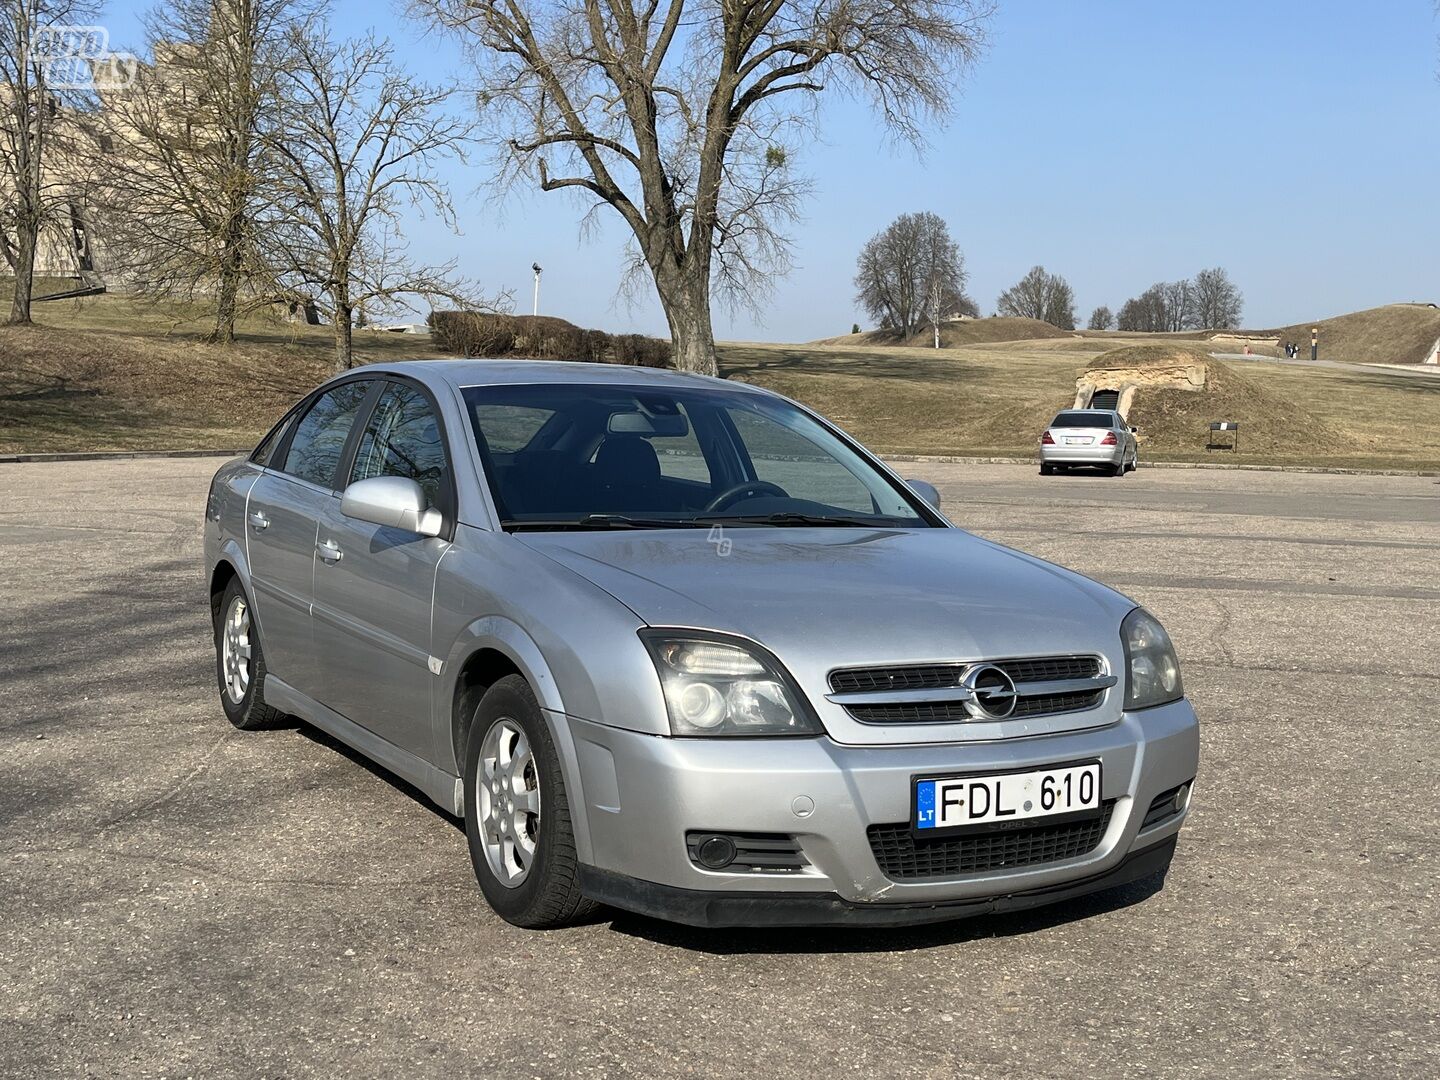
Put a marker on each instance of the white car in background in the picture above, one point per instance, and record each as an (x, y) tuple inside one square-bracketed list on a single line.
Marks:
[(1091, 438)]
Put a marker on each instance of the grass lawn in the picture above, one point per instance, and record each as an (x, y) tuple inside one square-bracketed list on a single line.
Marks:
[(995, 399), (112, 373)]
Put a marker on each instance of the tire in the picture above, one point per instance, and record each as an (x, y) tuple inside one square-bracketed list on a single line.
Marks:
[(1047, 470), (240, 663), (1118, 470), (540, 888)]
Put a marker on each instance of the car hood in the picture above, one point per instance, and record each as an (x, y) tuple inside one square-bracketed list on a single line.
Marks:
[(838, 597)]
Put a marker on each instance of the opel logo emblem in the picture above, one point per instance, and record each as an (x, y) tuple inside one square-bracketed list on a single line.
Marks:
[(993, 689)]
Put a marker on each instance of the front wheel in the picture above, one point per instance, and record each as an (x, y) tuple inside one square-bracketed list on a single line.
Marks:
[(517, 816)]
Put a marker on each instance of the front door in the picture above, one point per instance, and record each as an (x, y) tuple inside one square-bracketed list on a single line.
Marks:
[(374, 585)]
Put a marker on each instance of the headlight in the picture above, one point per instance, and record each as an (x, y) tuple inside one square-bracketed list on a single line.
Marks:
[(1152, 675), (718, 686)]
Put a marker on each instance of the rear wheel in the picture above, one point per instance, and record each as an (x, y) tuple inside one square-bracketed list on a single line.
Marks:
[(1046, 470), (1118, 470), (517, 816), (240, 662)]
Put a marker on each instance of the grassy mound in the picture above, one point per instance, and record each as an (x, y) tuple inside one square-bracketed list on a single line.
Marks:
[(73, 390), (956, 335), (1393, 334), (1175, 421)]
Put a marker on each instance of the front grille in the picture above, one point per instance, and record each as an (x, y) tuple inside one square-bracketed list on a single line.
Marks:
[(1049, 704), (904, 857), (943, 676)]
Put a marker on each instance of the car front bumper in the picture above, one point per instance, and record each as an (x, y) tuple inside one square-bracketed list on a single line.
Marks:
[(1081, 455), (643, 793)]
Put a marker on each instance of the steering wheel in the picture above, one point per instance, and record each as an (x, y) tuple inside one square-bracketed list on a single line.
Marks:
[(748, 487)]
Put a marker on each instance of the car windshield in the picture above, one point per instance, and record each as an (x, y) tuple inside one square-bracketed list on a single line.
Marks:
[(1082, 419), (599, 456)]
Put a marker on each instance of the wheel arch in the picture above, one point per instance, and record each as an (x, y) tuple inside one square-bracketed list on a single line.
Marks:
[(229, 566), (488, 650)]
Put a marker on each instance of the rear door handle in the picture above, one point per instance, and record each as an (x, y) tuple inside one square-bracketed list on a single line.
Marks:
[(329, 551), (259, 521)]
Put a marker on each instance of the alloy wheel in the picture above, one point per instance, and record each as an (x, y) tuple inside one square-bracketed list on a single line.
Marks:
[(508, 797), (235, 650)]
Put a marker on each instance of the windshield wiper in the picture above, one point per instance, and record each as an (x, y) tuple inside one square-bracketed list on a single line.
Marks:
[(799, 519), (597, 521)]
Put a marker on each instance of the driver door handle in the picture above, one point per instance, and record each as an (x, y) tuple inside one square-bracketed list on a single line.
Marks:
[(259, 521), (329, 551)]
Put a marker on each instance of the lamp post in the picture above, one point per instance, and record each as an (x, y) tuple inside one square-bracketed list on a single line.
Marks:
[(1314, 343), (536, 267)]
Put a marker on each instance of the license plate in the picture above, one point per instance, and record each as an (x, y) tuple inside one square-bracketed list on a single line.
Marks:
[(1076, 442), (956, 802)]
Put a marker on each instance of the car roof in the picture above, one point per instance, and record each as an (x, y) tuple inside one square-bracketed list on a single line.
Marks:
[(1100, 412), (480, 372)]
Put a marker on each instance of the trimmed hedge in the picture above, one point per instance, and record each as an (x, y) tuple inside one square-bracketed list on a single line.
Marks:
[(541, 337)]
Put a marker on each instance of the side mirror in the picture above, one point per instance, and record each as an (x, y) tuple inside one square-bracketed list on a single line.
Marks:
[(1134, 431), (396, 502), (926, 491)]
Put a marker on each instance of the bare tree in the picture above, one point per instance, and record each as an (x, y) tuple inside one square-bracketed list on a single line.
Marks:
[(911, 273), (683, 118), (192, 130), (357, 139), (29, 103), (1217, 302), (1179, 305), (1101, 318), (1164, 307), (1040, 295)]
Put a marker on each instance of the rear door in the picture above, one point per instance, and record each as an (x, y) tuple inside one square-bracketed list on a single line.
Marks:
[(282, 517), (374, 585)]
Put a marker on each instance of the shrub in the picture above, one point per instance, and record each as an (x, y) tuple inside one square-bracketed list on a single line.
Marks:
[(854, 328), (637, 350), (471, 333)]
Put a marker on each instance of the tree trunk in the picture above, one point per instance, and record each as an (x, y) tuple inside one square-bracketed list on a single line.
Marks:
[(224, 332), (26, 242), (687, 309), (344, 337)]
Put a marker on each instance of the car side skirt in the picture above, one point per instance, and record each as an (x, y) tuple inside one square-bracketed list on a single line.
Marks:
[(697, 907), (438, 786)]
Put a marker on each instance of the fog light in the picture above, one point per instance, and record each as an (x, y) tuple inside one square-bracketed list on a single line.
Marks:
[(1182, 797), (716, 852)]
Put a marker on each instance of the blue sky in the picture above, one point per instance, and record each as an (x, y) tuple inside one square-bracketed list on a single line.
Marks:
[(1297, 144)]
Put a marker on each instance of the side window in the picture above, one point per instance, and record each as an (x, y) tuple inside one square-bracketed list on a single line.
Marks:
[(262, 453), (321, 433), (403, 439), (802, 469)]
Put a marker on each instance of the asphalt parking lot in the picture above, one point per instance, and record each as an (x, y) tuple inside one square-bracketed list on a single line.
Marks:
[(178, 898)]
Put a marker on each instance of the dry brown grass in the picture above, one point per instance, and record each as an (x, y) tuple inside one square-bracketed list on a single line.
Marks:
[(955, 335), (995, 400), (110, 373), (1393, 334)]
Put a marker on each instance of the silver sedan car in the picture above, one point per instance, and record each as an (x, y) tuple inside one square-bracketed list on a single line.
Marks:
[(1089, 437), (680, 646)]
